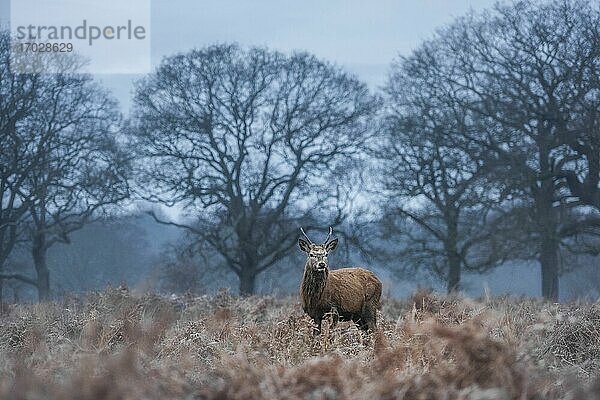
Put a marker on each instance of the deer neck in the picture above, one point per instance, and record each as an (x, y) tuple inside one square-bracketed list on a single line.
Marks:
[(313, 285)]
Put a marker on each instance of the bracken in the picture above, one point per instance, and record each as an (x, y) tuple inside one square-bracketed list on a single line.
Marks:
[(122, 345)]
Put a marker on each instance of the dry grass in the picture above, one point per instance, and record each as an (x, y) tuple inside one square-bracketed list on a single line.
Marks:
[(118, 345)]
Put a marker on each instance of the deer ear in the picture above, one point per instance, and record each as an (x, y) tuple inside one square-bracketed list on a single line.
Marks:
[(331, 245), (304, 246)]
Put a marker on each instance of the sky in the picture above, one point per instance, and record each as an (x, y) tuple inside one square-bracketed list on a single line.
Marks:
[(362, 37)]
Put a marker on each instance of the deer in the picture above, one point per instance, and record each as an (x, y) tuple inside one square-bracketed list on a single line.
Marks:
[(351, 294)]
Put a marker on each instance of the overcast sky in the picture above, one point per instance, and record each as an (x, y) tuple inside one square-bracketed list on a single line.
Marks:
[(364, 37)]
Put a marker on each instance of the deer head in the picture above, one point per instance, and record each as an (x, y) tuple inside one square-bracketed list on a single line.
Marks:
[(317, 253)]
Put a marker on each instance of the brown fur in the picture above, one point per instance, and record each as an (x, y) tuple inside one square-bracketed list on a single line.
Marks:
[(354, 293)]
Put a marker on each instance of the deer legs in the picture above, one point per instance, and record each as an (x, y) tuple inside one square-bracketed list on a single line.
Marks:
[(317, 326), (332, 316), (368, 318)]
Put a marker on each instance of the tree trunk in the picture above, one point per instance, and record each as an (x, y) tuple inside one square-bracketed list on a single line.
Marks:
[(39, 260), (451, 249), (547, 222), (247, 281), (549, 264), (453, 273)]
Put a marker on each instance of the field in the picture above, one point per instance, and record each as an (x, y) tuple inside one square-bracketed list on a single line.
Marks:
[(121, 345)]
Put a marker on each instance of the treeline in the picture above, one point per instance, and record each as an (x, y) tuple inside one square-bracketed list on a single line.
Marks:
[(482, 148)]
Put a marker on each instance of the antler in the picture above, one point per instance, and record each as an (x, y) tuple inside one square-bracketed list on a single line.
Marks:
[(305, 235), (329, 235)]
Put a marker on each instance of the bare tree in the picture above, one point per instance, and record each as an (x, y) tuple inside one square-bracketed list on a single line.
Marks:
[(82, 168), (18, 153), (75, 165), (438, 200), (248, 140), (530, 71)]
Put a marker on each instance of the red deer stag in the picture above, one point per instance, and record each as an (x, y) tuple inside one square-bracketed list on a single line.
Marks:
[(352, 293)]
